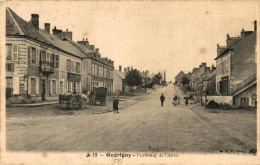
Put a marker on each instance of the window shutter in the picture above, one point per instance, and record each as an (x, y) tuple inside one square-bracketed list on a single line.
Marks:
[(29, 85), (37, 56), (50, 82), (37, 85), (29, 55), (16, 85), (15, 52)]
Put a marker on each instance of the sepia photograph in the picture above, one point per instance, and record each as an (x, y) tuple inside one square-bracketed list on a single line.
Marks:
[(129, 82)]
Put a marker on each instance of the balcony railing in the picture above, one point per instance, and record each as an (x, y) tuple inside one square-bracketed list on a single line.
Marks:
[(250, 80), (47, 67)]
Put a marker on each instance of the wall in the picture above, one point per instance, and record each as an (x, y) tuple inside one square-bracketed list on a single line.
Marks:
[(243, 62), (248, 94), (117, 83), (221, 99)]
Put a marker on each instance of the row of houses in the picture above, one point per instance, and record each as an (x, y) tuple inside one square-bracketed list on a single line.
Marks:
[(43, 64), (233, 80), (119, 82)]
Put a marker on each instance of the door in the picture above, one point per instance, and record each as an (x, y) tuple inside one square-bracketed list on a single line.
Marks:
[(43, 87)]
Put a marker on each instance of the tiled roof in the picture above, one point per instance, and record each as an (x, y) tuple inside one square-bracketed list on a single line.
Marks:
[(61, 44), (120, 74), (15, 25)]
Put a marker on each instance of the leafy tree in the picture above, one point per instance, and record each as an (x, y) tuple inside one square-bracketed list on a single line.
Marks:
[(133, 78), (156, 79)]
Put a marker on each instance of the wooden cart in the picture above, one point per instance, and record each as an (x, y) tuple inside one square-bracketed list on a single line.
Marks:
[(99, 94), (70, 101)]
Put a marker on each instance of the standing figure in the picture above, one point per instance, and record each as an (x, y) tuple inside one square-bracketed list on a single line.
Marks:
[(187, 102), (162, 98), (115, 104)]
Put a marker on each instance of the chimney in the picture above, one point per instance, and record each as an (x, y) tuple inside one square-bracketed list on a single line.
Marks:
[(84, 43), (132, 68), (203, 64), (120, 68), (97, 50), (68, 34), (124, 70), (57, 32), (47, 27), (35, 21), (92, 47), (128, 69), (255, 25)]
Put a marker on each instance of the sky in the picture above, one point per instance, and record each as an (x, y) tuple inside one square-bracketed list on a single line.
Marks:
[(148, 35)]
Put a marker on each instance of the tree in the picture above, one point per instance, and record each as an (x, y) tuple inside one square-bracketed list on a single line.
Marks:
[(133, 78), (156, 79), (185, 80)]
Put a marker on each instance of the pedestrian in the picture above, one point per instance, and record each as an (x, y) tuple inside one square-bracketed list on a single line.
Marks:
[(187, 102), (175, 100), (115, 104), (162, 98)]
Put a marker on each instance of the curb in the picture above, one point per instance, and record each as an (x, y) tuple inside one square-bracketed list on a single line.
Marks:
[(31, 105)]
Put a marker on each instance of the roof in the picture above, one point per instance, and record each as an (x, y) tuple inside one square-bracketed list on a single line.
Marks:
[(120, 74), (62, 44), (16, 26), (179, 75)]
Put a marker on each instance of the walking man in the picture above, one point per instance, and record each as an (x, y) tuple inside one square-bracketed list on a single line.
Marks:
[(115, 104), (162, 98)]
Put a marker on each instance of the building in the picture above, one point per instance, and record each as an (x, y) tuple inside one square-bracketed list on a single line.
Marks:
[(179, 77), (42, 65), (236, 68), (98, 71), (35, 60), (119, 83)]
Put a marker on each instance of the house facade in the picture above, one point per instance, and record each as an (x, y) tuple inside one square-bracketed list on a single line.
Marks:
[(119, 83), (98, 71), (236, 69), (34, 65), (43, 65)]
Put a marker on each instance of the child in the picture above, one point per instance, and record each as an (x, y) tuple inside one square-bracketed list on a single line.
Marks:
[(115, 104)]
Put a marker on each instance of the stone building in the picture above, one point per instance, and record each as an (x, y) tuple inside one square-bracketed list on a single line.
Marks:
[(236, 68), (98, 71), (36, 60)]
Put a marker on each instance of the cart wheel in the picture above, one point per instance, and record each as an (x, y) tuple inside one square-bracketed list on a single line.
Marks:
[(73, 103)]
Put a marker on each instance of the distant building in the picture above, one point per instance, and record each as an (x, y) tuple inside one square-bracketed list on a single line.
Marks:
[(236, 68), (119, 83), (179, 77)]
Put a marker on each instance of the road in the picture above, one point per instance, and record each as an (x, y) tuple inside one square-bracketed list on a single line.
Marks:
[(144, 126)]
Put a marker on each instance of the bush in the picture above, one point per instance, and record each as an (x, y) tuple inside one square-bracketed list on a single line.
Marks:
[(8, 93), (213, 104)]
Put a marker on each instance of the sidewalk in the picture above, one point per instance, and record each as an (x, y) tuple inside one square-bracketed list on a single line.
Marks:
[(51, 109)]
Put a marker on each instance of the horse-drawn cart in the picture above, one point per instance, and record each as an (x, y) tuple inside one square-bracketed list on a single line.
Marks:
[(70, 101), (98, 94)]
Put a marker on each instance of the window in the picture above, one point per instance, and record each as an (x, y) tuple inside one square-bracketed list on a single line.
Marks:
[(69, 86), (53, 86), (96, 72), (43, 56), (93, 69), (52, 58), (105, 73), (12, 52), (57, 61), (101, 71), (10, 67), (33, 86), (9, 82), (48, 57), (77, 67), (68, 65), (33, 55), (9, 52)]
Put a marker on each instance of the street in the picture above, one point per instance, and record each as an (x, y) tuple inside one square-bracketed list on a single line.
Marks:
[(144, 127)]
